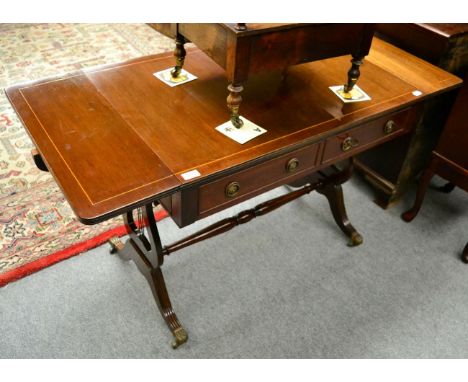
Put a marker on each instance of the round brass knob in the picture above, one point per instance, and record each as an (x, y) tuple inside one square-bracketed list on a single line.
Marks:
[(292, 165), (389, 127), (232, 189), (349, 143)]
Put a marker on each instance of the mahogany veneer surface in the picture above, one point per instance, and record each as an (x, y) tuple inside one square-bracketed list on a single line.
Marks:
[(116, 137)]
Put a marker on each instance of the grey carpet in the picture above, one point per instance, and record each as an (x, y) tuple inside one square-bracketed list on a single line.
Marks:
[(285, 285)]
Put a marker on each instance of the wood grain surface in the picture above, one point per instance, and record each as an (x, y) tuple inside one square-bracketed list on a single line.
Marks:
[(117, 137)]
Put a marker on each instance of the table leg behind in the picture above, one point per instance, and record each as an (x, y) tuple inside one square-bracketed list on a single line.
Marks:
[(421, 192), (330, 180), (334, 195), (333, 191)]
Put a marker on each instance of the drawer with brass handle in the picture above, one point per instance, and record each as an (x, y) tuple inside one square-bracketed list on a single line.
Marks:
[(232, 189), (349, 143), (390, 126), (367, 135), (243, 184)]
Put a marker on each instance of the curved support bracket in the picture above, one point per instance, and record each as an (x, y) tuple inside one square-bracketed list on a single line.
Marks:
[(145, 249)]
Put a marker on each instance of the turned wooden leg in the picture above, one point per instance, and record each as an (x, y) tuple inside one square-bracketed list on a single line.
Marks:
[(353, 73), (465, 254), (234, 100), (334, 195), (421, 192), (144, 248), (179, 54)]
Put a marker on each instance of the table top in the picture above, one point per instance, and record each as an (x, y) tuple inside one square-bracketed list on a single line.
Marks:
[(446, 30), (257, 28), (116, 137), (251, 28)]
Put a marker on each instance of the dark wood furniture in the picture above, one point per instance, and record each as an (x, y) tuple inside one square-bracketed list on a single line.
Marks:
[(118, 141), (450, 158), (246, 49), (392, 168)]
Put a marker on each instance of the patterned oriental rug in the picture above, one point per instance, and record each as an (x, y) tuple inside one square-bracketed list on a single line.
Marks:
[(37, 226)]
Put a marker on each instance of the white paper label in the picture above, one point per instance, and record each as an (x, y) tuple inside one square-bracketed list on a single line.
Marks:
[(190, 174), (166, 77), (355, 95), (248, 131)]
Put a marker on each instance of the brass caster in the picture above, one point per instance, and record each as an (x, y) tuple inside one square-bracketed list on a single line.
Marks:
[(237, 122), (116, 244), (180, 337), (177, 76), (355, 240)]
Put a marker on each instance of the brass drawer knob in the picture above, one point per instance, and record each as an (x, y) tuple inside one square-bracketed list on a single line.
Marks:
[(349, 143), (292, 165), (232, 189), (389, 127)]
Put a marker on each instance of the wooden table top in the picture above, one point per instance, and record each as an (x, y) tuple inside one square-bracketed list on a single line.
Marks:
[(116, 137), (257, 28)]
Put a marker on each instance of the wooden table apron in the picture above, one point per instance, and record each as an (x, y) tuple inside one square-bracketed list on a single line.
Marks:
[(116, 139)]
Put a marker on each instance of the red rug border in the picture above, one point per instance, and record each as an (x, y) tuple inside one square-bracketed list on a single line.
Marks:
[(66, 253)]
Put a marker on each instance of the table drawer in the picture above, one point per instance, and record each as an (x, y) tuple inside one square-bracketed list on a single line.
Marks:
[(360, 138), (259, 178)]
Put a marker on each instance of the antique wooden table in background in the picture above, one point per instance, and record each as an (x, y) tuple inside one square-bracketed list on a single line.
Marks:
[(393, 167), (449, 159), (247, 49), (117, 140)]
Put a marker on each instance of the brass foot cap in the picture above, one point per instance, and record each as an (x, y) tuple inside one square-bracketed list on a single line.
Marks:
[(237, 122), (177, 77), (116, 244), (355, 240), (180, 337)]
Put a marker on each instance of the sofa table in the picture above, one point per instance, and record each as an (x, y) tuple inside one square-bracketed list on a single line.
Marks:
[(119, 141)]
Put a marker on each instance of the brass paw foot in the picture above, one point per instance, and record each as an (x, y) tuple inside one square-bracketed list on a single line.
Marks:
[(180, 337), (355, 239), (116, 244)]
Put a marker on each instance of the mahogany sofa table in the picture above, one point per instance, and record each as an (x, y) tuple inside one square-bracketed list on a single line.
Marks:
[(119, 140)]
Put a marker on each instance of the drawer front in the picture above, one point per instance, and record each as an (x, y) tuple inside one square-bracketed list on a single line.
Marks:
[(259, 178), (365, 136)]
